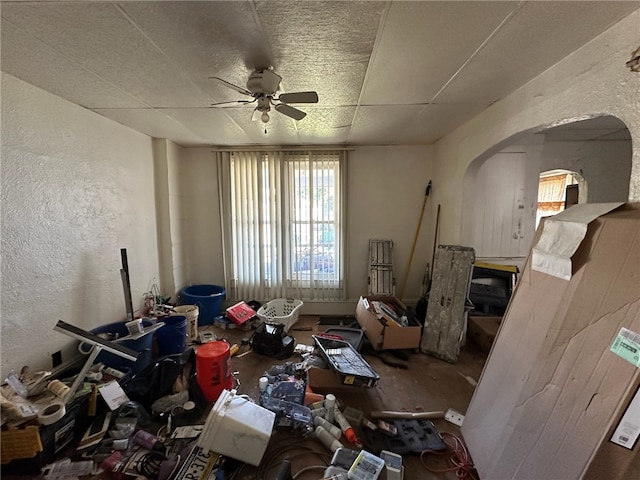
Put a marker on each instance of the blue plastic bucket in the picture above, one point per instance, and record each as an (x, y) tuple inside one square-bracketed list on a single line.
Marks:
[(172, 337), (208, 298), (142, 345)]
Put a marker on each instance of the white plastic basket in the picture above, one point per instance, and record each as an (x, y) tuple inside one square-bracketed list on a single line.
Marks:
[(281, 310)]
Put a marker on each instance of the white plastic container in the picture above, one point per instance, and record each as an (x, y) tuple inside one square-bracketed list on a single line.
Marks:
[(281, 310), (191, 312), (237, 428)]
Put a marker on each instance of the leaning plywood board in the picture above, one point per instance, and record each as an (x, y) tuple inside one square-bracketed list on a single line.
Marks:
[(552, 391), (445, 322)]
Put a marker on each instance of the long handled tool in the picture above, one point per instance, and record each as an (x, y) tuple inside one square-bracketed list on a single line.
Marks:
[(435, 240), (415, 240)]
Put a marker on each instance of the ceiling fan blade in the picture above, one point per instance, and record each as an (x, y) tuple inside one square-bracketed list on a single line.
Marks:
[(270, 81), (299, 97), (232, 102), (290, 111), (238, 89)]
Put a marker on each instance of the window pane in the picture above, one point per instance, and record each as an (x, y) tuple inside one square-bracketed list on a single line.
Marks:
[(285, 225)]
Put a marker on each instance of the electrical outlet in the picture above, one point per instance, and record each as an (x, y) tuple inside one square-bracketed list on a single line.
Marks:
[(56, 358), (454, 417)]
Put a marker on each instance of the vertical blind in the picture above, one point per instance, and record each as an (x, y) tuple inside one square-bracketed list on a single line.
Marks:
[(551, 191), (283, 224)]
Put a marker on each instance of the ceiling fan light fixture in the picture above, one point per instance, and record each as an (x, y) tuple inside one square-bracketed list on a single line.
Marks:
[(262, 86)]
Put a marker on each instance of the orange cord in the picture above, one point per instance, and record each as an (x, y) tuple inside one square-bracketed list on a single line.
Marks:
[(458, 456)]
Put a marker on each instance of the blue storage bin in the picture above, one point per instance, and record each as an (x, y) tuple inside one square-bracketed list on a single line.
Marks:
[(208, 298), (143, 345)]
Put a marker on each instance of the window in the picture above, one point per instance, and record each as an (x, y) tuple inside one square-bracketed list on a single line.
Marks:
[(552, 190), (284, 233)]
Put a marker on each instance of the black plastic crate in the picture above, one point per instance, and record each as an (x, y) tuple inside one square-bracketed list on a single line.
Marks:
[(54, 438)]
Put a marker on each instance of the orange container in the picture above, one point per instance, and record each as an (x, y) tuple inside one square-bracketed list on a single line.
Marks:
[(213, 369)]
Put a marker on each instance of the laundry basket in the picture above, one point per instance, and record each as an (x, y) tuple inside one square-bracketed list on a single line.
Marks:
[(281, 310)]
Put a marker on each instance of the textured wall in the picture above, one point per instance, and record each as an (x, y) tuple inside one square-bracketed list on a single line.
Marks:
[(385, 193), (592, 81), (605, 166), (76, 188)]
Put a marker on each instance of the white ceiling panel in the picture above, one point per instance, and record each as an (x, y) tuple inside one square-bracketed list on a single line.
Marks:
[(389, 124), (154, 123), (385, 72), (412, 125), (105, 42), (326, 125), (205, 38), (423, 44), (538, 35), (29, 59)]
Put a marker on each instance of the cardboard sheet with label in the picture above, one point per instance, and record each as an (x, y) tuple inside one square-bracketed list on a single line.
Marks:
[(558, 395)]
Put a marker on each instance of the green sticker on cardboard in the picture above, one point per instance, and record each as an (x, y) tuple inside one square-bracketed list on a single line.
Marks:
[(627, 346)]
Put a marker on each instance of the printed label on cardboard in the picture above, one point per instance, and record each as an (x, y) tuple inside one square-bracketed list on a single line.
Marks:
[(628, 430), (627, 346)]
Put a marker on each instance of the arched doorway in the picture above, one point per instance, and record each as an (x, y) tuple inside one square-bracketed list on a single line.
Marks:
[(501, 187)]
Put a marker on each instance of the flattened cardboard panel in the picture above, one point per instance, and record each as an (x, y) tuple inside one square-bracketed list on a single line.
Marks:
[(551, 390), (611, 461)]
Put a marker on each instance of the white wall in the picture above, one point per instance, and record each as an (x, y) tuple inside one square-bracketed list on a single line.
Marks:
[(605, 166), (202, 218), (500, 193), (500, 198), (171, 216), (594, 80), (76, 188), (386, 191)]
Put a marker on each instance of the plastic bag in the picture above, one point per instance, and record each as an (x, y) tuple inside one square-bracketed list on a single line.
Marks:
[(167, 376), (271, 340)]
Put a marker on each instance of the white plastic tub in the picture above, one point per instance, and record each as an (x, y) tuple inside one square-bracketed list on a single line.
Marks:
[(237, 428)]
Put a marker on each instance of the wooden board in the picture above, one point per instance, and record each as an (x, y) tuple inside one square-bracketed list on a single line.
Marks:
[(381, 280), (445, 322)]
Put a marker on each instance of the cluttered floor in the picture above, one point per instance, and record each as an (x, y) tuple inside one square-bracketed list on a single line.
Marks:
[(402, 412)]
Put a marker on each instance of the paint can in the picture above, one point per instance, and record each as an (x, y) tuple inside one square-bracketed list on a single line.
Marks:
[(213, 369), (191, 312)]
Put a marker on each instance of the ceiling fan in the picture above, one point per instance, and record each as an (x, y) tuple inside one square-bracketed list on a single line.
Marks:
[(263, 86)]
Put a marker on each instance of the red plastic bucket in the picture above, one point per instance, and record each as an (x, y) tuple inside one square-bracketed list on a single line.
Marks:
[(213, 369)]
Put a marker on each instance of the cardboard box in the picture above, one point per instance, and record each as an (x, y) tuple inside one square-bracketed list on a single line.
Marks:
[(386, 337), (552, 390), (482, 330), (324, 380)]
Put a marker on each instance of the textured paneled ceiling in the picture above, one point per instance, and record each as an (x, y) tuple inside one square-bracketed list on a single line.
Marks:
[(385, 72)]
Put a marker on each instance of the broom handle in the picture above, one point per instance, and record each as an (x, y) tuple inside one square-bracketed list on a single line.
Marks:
[(435, 240), (415, 241)]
